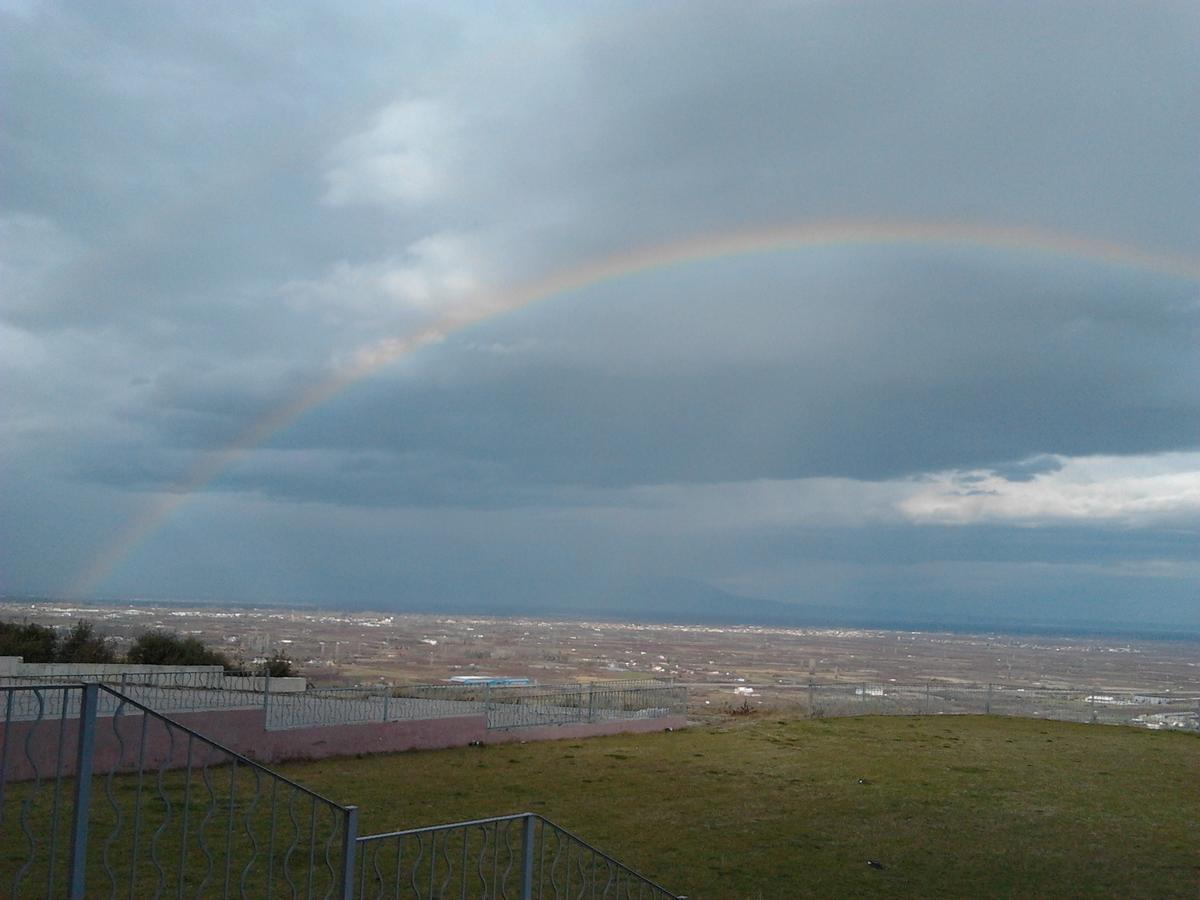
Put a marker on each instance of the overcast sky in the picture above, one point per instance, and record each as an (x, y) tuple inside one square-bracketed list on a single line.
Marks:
[(208, 210)]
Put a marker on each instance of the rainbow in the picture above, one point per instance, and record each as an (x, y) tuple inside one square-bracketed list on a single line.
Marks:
[(373, 357)]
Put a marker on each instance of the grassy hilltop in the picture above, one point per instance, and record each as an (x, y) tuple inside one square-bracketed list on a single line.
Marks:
[(774, 807)]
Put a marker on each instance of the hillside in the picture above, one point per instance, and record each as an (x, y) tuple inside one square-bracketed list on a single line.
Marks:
[(777, 808)]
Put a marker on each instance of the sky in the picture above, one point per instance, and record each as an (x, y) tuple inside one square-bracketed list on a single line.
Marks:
[(880, 311)]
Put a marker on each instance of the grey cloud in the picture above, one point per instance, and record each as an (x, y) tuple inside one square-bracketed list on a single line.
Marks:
[(217, 211), (727, 117), (933, 380), (184, 153), (865, 373), (1028, 469)]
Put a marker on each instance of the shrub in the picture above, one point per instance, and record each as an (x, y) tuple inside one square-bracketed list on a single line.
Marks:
[(277, 666), (42, 644), (165, 648), (83, 645), (34, 643), (744, 710)]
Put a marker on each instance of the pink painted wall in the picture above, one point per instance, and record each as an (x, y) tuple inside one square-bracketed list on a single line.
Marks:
[(117, 741), (26, 744)]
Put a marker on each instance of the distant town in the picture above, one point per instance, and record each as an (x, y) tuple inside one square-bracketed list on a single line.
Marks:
[(720, 664)]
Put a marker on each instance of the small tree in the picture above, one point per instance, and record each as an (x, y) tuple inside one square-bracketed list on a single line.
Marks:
[(83, 645), (33, 643), (165, 648), (277, 666)]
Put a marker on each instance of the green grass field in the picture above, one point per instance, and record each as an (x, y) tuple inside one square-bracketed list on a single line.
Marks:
[(774, 807)]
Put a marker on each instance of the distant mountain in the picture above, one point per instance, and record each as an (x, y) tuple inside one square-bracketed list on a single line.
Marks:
[(648, 600), (685, 601)]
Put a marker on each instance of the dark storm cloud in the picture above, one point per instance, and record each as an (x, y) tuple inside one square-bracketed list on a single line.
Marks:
[(980, 364), (1028, 469), (1070, 115)]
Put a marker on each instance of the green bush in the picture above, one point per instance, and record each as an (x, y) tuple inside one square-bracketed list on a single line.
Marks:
[(277, 666), (34, 643), (83, 645), (42, 644), (165, 648)]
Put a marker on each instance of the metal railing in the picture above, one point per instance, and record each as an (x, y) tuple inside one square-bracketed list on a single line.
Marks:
[(521, 856), (505, 706), (1157, 711), (136, 804), (182, 690), (596, 701), (345, 706), (38, 798)]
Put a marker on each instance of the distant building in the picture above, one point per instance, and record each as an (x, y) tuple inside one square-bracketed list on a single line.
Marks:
[(492, 680)]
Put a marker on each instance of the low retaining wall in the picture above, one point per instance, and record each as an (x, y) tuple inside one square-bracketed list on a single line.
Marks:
[(586, 729), (290, 684), (32, 749), (15, 666), (174, 678), (318, 742)]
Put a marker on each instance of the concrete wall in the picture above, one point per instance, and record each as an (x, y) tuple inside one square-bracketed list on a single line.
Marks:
[(13, 665), (293, 684)]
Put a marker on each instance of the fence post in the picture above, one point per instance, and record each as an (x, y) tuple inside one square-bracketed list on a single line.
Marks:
[(349, 845), (266, 701), (928, 705), (83, 789), (987, 705), (527, 857), (1092, 697), (812, 699), (591, 701), (387, 698)]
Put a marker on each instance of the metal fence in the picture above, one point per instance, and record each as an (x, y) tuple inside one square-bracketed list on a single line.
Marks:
[(507, 706), (165, 690), (516, 706), (136, 804), (522, 856), (1156, 711), (344, 706), (597, 701)]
